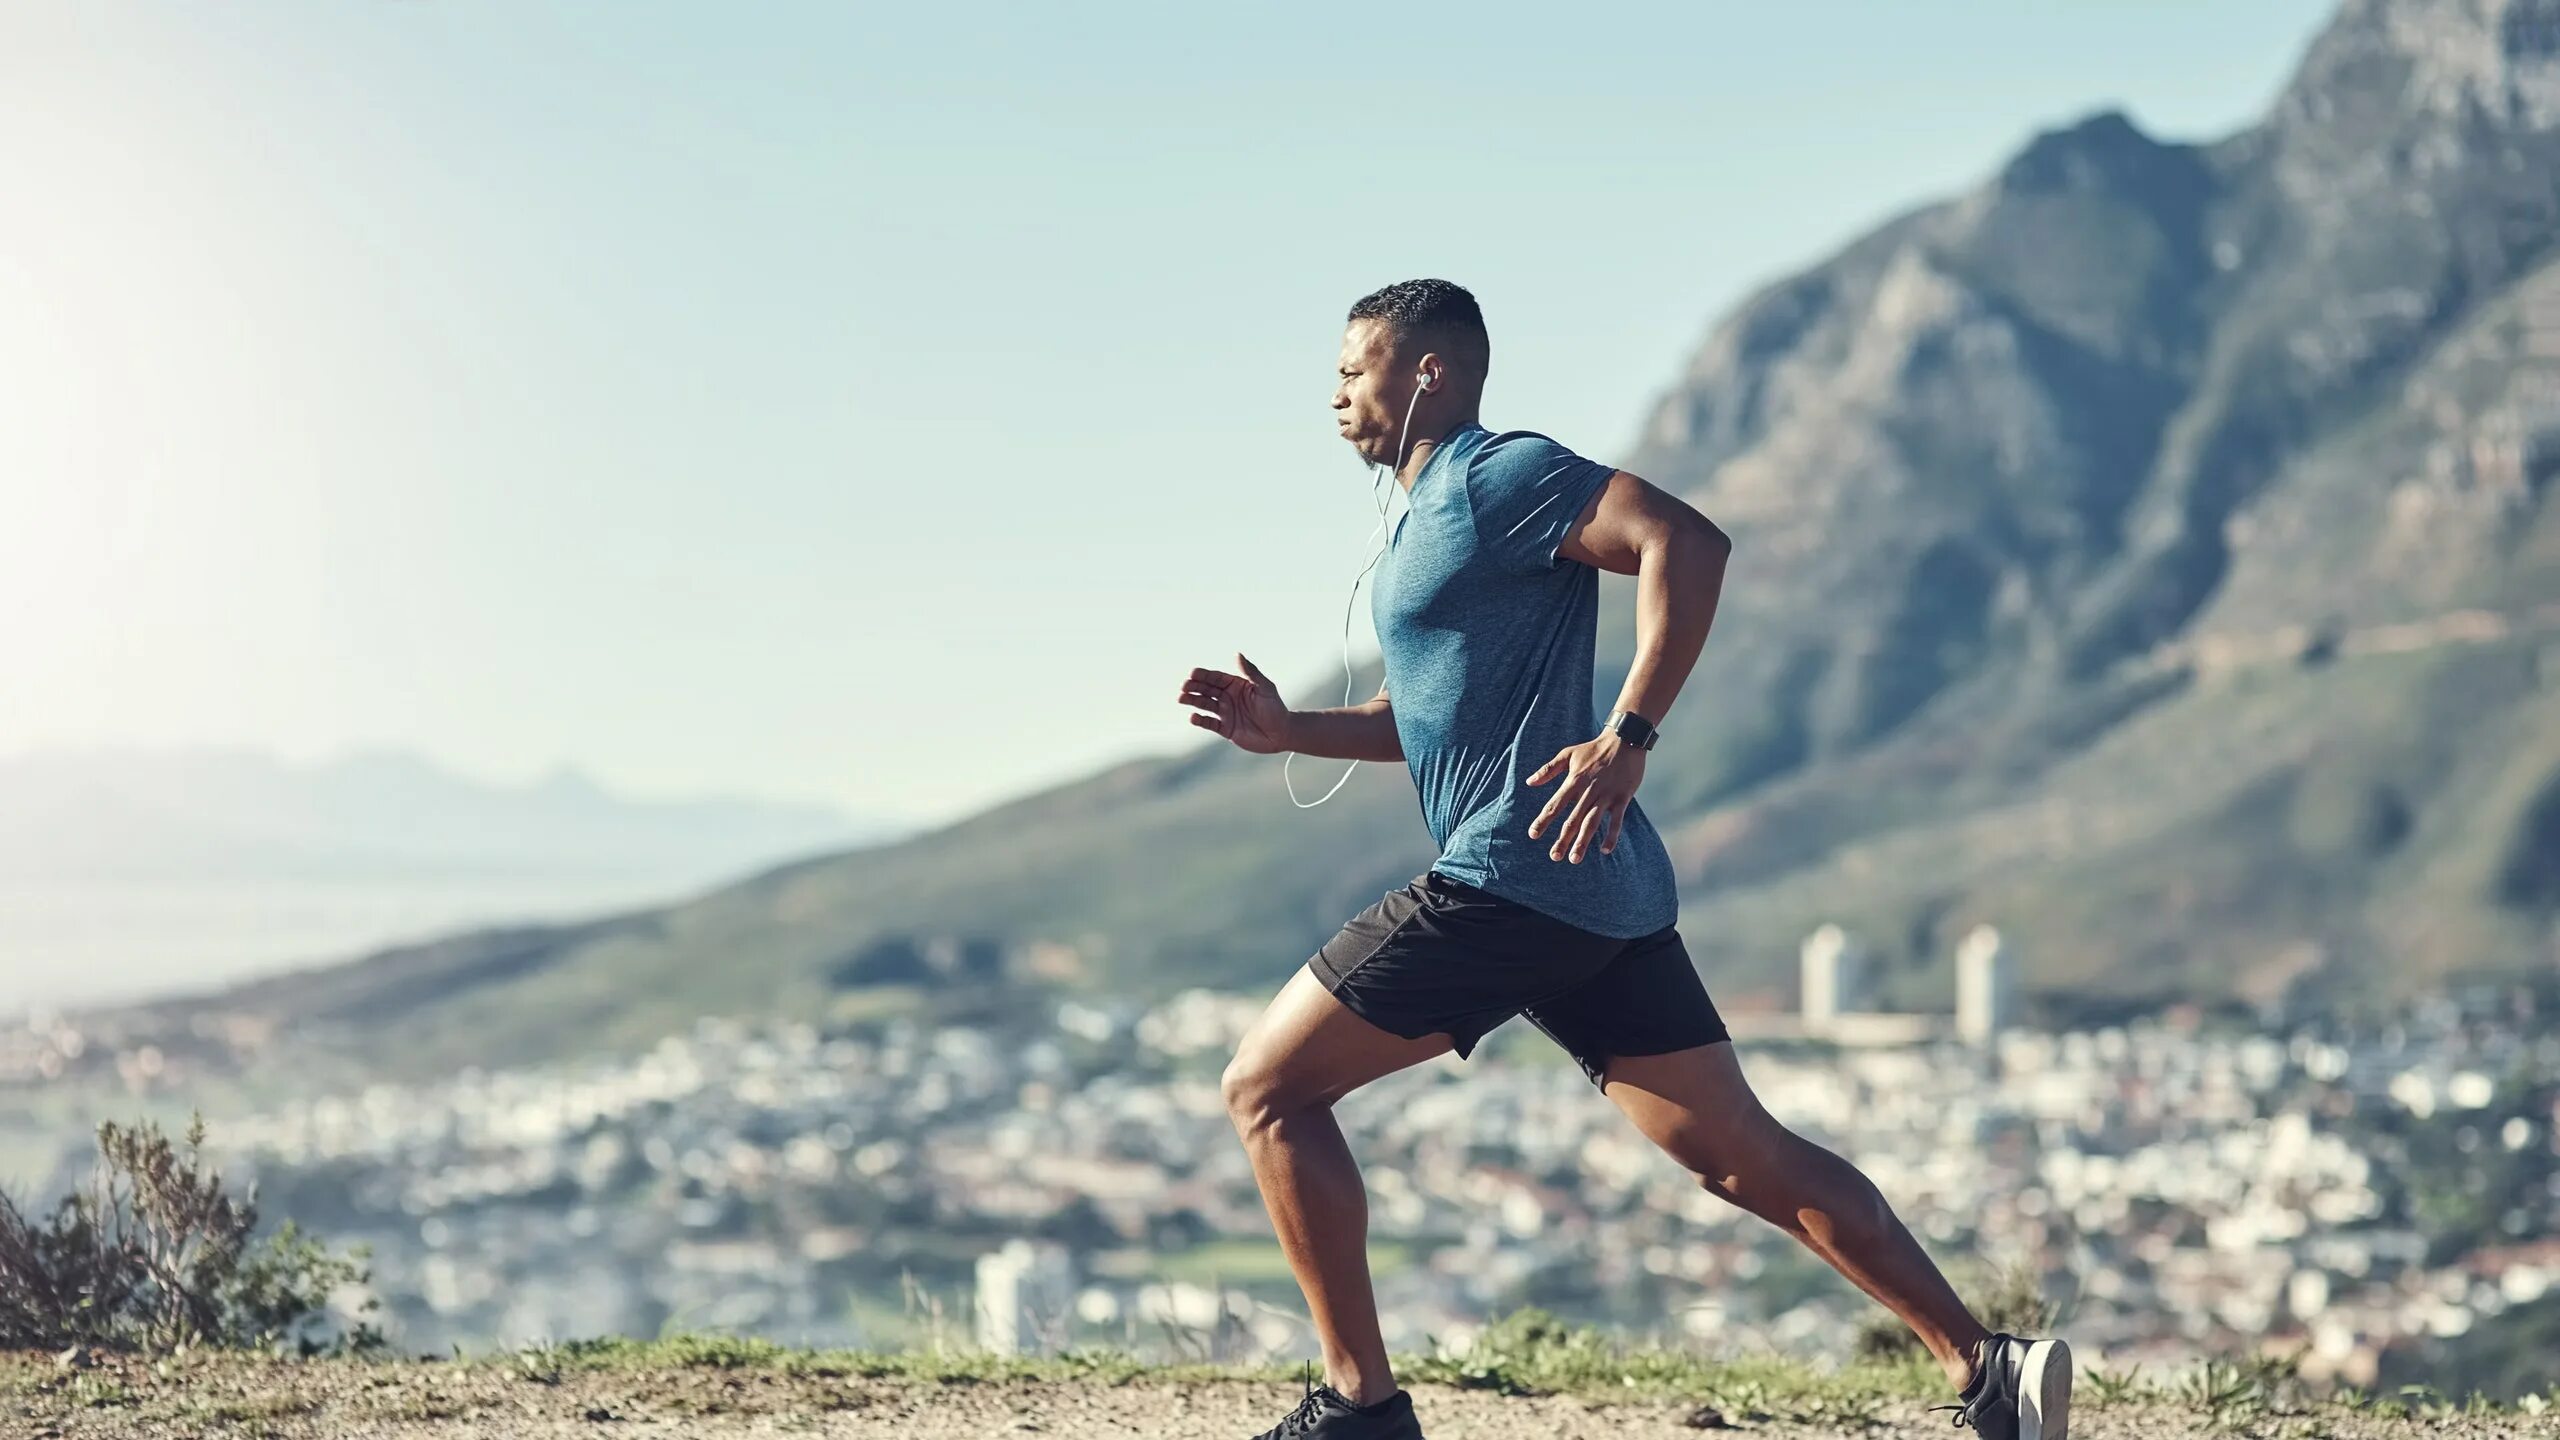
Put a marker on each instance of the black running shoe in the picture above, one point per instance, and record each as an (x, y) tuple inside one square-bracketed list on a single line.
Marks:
[(2020, 1391), (1325, 1415)]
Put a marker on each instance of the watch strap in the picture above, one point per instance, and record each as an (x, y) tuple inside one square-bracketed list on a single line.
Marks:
[(1633, 728)]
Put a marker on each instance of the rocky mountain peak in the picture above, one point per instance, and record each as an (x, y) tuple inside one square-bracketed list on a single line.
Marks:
[(2105, 152), (2382, 63)]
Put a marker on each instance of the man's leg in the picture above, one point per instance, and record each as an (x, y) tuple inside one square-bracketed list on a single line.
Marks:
[(1696, 1105), (1307, 1051)]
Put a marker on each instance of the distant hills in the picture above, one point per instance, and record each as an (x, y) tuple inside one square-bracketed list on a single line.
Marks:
[(128, 872), (2151, 552)]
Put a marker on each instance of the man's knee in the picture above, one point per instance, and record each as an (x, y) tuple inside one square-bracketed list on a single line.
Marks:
[(1726, 1176), (1256, 1089), (1738, 1157), (1773, 1172)]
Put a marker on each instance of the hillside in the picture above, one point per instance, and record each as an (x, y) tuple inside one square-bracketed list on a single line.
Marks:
[(2151, 551)]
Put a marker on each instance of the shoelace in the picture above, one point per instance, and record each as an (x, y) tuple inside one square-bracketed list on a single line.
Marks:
[(1310, 1409), (1964, 1414)]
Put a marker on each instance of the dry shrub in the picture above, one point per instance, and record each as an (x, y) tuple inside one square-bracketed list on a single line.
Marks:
[(152, 1254)]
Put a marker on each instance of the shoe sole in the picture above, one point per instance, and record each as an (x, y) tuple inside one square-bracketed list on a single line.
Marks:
[(2044, 1392)]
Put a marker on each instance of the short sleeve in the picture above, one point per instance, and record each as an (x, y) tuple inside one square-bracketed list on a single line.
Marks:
[(1526, 491)]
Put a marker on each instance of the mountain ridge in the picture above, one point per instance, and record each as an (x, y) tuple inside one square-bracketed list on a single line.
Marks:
[(2004, 474)]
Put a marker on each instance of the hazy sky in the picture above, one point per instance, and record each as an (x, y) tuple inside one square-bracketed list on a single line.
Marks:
[(876, 404)]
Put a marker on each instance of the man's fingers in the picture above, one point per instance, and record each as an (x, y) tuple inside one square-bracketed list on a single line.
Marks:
[(1593, 823), (1617, 822), (1564, 798), (1221, 716), (1569, 836), (1251, 671), (1545, 815)]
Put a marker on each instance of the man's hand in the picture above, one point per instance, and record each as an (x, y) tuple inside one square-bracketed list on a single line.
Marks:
[(1245, 708), (1600, 780)]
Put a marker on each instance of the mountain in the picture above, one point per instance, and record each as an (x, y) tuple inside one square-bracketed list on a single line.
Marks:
[(2151, 552), (124, 872)]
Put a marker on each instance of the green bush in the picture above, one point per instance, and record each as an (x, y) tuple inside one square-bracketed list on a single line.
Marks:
[(154, 1255)]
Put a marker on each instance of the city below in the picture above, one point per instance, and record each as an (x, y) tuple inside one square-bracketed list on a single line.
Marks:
[(2178, 1187)]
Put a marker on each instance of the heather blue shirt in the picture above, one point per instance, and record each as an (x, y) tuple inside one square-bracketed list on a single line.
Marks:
[(1488, 636)]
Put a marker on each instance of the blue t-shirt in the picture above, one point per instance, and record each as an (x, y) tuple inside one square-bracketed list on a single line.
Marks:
[(1488, 639)]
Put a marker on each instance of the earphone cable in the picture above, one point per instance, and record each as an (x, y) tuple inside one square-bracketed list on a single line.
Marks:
[(1384, 500)]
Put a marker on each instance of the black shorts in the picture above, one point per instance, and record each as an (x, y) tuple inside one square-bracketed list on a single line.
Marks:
[(1441, 955)]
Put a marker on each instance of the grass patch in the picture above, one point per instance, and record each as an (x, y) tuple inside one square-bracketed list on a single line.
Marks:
[(1531, 1352)]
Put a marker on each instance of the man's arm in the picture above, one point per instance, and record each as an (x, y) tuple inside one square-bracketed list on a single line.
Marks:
[(1677, 555), (1348, 732)]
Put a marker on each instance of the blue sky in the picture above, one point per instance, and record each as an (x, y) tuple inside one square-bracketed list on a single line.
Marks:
[(877, 405)]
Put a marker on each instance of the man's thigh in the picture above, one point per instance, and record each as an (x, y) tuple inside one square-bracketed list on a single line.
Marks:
[(1696, 1105), (1308, 1048)]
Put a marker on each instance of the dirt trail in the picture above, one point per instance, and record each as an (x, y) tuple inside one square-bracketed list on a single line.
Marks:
[(431, 1400)]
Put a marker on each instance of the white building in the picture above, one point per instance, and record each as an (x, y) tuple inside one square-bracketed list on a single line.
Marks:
[(1986, 986), (1025, 1292), (1835, 978)]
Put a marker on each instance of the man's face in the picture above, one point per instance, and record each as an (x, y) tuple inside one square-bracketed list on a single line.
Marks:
[(1370, 391)]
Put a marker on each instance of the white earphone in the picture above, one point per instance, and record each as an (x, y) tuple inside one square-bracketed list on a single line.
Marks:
[(1422, 383)]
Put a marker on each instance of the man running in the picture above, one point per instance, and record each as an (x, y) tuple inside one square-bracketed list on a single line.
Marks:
[(1553, 896)]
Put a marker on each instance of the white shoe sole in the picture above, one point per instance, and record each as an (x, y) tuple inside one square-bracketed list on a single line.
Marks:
[(2044, 1391)]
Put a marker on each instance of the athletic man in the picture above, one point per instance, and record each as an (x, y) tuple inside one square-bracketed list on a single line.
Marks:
[(1553, 896)]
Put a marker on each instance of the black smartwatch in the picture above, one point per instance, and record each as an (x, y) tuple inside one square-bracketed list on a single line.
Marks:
[(1632, 728)]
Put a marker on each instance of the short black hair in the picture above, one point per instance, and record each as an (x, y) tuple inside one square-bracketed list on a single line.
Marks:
[(1428, 313)]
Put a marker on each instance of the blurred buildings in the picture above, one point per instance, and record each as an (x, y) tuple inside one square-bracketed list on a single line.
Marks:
[(2176, 1190)]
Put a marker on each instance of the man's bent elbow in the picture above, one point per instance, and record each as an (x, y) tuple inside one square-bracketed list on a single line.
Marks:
[(1700, 547), (1709, 536)]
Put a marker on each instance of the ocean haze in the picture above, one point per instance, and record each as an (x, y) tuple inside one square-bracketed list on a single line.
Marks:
[(128, 873)]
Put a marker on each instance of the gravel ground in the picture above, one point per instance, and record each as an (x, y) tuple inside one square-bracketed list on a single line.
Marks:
[(418, 1399)]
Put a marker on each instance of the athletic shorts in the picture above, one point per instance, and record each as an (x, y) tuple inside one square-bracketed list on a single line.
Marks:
[(1441, 955)]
